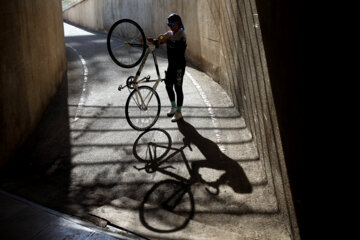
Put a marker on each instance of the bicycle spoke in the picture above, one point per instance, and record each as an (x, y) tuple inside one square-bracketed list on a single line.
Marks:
[(117, 46), (126, 43)]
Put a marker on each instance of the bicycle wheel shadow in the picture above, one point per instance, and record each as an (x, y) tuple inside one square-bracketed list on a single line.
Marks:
[(167, 207), (234, 175)]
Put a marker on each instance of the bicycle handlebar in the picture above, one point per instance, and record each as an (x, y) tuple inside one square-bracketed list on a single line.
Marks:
[(154, 41)]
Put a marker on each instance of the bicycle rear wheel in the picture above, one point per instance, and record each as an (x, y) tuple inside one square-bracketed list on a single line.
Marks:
[(142, 116), (126, 43), (167, 207), (143, 151)]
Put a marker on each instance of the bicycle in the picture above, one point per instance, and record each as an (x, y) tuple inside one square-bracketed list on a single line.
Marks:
[(127, 46), (170, 196)]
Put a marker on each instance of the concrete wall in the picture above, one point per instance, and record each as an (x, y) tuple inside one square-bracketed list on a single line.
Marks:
[(282, 31), (200, 23), (225, 41), (33, 64)]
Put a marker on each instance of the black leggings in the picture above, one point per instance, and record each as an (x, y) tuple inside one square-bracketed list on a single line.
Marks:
[(174, 78)]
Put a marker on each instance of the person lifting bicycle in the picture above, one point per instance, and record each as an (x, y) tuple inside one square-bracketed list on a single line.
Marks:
[(175, 40)]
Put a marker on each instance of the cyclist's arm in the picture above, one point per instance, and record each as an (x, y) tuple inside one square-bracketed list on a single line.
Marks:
[(161, 39)]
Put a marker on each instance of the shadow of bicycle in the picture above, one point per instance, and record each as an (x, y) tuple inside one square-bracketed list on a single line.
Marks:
[(169, 205)]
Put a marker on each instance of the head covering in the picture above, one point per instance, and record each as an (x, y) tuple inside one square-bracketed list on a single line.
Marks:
[(174, 17)]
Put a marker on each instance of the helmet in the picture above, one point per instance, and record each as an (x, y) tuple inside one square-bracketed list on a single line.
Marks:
[(174, 17)]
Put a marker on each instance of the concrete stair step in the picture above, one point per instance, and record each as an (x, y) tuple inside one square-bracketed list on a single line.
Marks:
[(124, 213), (260, 225), (83, 135), (113, 172)]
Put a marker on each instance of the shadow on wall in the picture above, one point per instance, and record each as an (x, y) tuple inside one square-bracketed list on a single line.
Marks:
[(40, 169)]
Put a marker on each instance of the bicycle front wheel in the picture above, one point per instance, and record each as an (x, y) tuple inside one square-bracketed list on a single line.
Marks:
[(143, 151), (142, 108), (167, 207), (126, 43)]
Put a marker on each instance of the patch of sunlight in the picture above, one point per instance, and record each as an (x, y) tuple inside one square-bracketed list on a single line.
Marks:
[(70, 31), (210, 175)]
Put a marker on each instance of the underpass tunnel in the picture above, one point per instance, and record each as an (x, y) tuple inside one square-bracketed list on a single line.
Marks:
[(251, 48)]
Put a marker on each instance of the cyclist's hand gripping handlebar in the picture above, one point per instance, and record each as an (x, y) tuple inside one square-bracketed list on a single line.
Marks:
[(155, 41), (152, 40)]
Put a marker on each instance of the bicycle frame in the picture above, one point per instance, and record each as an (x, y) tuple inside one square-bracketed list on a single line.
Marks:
[(154, 163), (150, 49)]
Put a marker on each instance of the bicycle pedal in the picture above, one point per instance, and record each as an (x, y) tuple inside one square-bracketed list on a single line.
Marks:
[(120, 87)]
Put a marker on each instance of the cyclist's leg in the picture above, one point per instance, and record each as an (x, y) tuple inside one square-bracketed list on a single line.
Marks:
[(178, 87), (177, 81), (169, 83)]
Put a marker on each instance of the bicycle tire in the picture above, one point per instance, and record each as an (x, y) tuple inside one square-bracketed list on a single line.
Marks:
[(124, 55), (167, 207), (142, 119), (158, 136)]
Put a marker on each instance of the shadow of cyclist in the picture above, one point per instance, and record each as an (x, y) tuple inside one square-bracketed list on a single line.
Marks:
[(234, 175)]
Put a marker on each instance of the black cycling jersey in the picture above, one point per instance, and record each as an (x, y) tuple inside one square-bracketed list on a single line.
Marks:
[(176, 53), (176, 46)]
